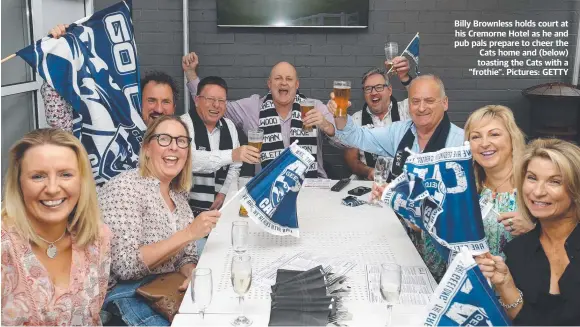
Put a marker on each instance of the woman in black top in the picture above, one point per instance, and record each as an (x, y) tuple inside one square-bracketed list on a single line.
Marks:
[(539, 284)]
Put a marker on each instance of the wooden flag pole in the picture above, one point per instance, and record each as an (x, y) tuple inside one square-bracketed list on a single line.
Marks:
[(8, 58)]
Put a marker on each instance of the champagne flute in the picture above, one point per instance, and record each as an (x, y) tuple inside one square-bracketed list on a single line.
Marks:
[(240, 236), (390, 286), (381, 173), (201, 288), (391, 51), (241, 275)]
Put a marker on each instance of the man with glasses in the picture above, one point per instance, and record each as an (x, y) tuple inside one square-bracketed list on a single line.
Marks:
[(217, 154), (429, 129), (380, 109)]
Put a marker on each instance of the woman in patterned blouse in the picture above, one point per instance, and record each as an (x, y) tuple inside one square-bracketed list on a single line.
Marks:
[(153, 227), (55, 250)]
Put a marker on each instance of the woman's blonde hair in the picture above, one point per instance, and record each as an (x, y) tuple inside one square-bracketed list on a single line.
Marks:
[(182, 182), (85, 219), (565, 156), (506, 116)]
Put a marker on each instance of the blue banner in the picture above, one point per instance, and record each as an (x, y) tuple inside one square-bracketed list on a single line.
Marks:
[(270, 197), (464, 298), (413, 52), (94, 67), (437, 192)]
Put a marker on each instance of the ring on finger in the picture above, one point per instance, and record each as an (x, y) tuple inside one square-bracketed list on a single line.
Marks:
[(510, 222)]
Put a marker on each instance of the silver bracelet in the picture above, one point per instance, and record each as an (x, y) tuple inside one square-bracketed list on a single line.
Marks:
[(515, 304)]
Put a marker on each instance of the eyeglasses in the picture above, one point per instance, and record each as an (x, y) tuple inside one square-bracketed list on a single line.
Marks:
[(428, 101), (221, 102), (378, 88), (166, 139)]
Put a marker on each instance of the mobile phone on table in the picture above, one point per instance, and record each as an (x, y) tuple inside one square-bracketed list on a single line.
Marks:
[(359, 190)]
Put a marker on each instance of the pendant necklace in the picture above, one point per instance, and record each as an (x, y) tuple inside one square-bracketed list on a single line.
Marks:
[(51, 249)]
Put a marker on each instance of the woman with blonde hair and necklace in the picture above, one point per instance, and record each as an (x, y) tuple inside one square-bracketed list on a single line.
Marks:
[(55, 250)]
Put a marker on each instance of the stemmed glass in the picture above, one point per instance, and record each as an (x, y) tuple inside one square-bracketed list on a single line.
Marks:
[(381, 174), (240, 236), (241, 275), (390, 286), (391, 51), (201, 288)]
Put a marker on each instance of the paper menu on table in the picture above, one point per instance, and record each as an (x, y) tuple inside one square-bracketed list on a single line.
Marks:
[(319, 183), (301, 261), (416, 288)]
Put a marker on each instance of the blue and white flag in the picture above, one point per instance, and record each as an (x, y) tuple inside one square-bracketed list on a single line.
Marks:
[(270, 197), (437, 192), (413, 51), (464, 298), (94, 67)]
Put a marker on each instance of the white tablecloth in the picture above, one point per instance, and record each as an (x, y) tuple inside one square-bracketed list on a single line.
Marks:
[(363, 235)]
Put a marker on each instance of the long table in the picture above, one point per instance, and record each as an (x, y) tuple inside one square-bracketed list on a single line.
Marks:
[(364, 235)]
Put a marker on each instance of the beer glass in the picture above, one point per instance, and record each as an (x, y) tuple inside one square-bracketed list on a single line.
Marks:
[(201, 288), (255, 138), (390, 286), (241, 276), (242, 181), (341, 97), (305, 106), (391, 51)]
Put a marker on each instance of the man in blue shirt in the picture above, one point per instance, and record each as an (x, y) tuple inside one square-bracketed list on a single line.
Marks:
[(429, 129)]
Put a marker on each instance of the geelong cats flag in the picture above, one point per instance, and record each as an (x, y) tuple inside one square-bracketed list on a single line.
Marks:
[(464, 298), (270, 197), (94, 68), (437, 192)]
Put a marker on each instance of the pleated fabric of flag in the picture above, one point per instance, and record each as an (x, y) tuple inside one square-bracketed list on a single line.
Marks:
[(95, 68), (437, 192), (270, 197), (464, 298)]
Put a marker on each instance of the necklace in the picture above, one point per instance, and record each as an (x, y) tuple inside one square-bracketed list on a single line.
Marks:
[(494, 189), (51, 249)]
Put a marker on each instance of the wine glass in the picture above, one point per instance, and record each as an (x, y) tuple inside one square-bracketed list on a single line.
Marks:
[(201, 288), (390, 286), (391, 51), (381, 174), (240, 236), (241, 275)]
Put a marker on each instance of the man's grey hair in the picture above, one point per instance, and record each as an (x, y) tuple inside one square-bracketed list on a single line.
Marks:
[(376, 71), (431, 77)]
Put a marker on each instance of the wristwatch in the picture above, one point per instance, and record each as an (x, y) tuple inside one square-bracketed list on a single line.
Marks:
[(408, 81)]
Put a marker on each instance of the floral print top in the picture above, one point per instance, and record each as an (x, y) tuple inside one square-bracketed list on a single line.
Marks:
[(59, 113), (30, 298)]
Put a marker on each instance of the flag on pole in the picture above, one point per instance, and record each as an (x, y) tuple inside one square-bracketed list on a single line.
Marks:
[(270, 197), (464, 298), (437, 192), (413, 51), (94, 67)]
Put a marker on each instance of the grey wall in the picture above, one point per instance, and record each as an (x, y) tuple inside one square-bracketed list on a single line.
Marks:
[(245, 56)]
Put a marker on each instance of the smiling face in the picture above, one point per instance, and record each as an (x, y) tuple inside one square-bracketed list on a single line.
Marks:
[(544, 192), (491, 144), (211, 104), (378, 102), (283, 83), (50, 182), (167, 162), (426, 104), (156, 100)]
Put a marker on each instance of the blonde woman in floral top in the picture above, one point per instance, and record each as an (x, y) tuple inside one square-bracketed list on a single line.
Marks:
[(55, 250), (153, 227)]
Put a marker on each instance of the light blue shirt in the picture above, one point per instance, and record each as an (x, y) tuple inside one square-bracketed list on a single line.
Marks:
[(384, 141)]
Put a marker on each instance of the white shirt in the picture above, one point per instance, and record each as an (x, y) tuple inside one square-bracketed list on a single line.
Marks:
[(403, 107), (207, 162)]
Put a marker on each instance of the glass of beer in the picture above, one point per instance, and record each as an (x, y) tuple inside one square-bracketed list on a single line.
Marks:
[(305, 106), (242, 181), (341, 97), (255, 138), (391, 51)]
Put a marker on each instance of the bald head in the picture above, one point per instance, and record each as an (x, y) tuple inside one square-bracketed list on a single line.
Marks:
[(283, 83)]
